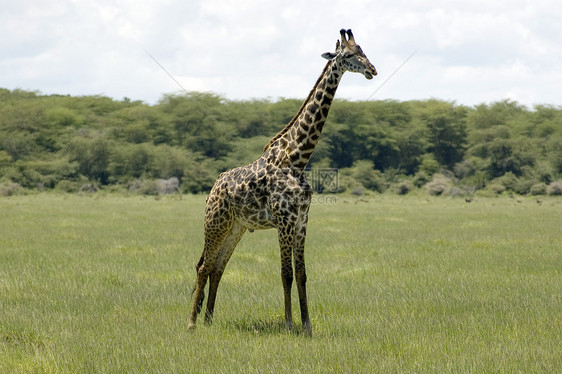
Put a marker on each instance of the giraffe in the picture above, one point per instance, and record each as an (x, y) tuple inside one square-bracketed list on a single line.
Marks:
[(272, 192)]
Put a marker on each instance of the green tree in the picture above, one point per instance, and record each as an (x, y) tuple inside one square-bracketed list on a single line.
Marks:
[(446, 132), (92, 156), (364, 172)]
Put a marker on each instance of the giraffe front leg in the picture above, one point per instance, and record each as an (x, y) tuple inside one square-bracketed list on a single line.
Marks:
[(286, 246), (300, 270), (287, 278)]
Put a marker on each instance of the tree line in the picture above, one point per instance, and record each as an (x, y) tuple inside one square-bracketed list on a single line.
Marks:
[(184, 141)]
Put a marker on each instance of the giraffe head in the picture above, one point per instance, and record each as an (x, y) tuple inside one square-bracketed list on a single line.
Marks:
[(350, 56)]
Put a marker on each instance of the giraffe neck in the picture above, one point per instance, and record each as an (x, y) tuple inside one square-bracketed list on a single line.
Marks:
[(293, 146)]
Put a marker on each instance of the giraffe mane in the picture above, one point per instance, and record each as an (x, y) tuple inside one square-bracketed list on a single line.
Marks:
[(291, 123)]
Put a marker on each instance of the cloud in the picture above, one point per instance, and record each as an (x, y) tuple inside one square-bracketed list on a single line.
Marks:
[(471, 52)]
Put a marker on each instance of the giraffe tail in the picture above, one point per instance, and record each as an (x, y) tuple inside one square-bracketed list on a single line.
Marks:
[(199, 263), (202, 297)]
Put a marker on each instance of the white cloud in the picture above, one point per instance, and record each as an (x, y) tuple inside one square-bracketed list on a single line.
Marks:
[(468, 51)]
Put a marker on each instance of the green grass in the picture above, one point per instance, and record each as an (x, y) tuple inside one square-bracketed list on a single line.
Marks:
[(396, 284)]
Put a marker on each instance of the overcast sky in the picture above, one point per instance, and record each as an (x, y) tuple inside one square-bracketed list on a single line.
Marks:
[(470, 52)]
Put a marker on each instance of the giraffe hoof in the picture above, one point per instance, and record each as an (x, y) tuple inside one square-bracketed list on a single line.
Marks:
[(191, 327), (307, 329), (289, 326)]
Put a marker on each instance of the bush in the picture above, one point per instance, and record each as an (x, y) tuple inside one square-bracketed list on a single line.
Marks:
[(496, 187), (439, 185), (9, 188), (168, 186), (92, 157), (170, 162), (363, 172), (555, 188), (476, 181), (461, 191), (403, 188), (199, 177), (89, 188), (538, 189), (544, 172), (154, 187), (508, 180), (421, 178), (62, 116), (429, 165), (465, 168), (358, 191), (144, 187), (523, 186), (66, 185)]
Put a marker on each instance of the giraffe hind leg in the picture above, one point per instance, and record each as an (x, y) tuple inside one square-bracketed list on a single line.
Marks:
[(199, 292), (225, 251), (217, 227), (202, 296)]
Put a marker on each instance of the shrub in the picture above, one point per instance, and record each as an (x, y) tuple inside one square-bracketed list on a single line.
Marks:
[(403, 188), (429, 165), (465, 168), (358, 191), (168, 186), (538, 189), (89, 188), (144, 187), (66, 185), (476, 181), (62, 116), (92, 157), (555, 188), (520, 185), (154, 187), (523, 186), (439, 185), (9, 188), (544, 172), (496, 187), (170, 162), (461, 191), (363, 172), (508, 180), (421, 178), (199, 176)]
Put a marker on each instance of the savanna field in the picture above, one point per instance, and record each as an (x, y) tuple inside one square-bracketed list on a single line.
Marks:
[(102, 283)]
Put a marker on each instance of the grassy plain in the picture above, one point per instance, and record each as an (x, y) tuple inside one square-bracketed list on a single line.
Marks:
[(396, 284)]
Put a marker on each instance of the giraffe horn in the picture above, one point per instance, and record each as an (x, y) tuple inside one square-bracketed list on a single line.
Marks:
[(351, 39), (343, 39)]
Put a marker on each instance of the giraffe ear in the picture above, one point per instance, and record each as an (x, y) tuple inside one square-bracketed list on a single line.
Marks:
[(329, 55)]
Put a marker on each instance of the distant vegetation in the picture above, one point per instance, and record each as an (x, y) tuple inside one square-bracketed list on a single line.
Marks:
[(182, 143)]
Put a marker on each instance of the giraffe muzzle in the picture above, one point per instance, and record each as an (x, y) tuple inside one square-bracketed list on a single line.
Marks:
[(370, 72), (369, 75)]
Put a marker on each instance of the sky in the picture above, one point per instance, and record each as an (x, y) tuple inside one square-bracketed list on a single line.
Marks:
[(469, 52)]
